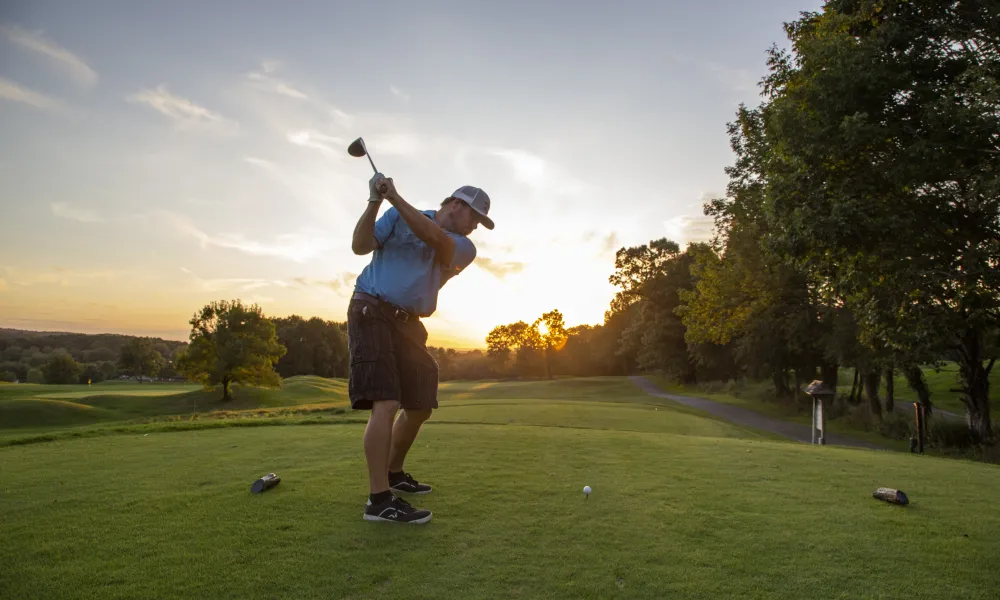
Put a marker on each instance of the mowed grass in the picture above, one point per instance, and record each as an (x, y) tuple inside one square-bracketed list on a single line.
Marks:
[(35, 408), (682, 507), (940, 382), (613, 403)]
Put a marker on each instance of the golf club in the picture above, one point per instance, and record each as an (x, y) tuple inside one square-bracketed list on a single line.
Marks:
[(358, 149)]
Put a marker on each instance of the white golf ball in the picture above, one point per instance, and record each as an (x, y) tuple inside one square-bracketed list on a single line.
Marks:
[(586, 489)]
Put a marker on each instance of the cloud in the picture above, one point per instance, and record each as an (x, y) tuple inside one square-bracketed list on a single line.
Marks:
[(609, 242), (396, 144), (314, 185), (329, 145), (271, 84), (528, 168), (33, 40), (16, 93), (399, 93), (296, 247), (270, 66), (341, 283), (499, 269), (182, 111), (486, 244), (83, 215), (685, 230), (241, 283), (536, 172), (3, 284)]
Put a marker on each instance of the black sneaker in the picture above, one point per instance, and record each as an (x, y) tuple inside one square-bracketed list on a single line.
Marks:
[(406, 483), (396, 509)]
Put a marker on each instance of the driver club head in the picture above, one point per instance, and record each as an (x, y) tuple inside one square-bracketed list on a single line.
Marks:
[(358, 149)]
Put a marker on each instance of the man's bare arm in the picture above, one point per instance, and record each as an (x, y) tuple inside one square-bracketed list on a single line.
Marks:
[(423, 227), (364, 232)]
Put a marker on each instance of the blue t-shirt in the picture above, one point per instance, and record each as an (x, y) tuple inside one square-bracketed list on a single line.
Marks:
[(403, 270)]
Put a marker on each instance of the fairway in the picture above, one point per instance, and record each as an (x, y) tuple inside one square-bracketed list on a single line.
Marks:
[(115, 392), (38, 408), (683, 506)]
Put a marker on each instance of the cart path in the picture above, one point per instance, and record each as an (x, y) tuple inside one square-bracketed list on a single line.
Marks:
[(748, 418)]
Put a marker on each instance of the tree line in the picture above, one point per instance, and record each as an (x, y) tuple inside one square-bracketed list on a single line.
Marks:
[(312, 347)]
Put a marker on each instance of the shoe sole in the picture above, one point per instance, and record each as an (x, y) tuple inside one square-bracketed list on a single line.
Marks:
[(402, 491), (416, 521)]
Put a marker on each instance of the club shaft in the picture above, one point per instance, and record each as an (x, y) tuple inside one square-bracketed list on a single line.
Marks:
[(364, 147)]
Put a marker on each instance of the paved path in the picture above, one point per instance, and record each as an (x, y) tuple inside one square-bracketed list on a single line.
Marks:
[(748, 418)]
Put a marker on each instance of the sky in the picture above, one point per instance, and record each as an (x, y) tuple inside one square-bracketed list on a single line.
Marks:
[(158, 156)]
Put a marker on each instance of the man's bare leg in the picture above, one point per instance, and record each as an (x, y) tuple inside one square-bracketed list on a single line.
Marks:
[(378, 441), (404, 431)]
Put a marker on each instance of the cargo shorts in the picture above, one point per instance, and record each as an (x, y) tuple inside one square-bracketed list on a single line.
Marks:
[(389, 357)]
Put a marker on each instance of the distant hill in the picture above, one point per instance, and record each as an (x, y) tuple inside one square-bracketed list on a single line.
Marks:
[(19, 344)]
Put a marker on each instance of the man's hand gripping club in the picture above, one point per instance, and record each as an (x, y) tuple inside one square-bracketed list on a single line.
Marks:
[(381, 187)]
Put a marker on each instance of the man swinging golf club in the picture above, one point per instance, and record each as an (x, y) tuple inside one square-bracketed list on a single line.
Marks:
[(415, 253)]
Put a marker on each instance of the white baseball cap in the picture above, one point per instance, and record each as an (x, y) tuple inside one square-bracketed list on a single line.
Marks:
[(478, 200)]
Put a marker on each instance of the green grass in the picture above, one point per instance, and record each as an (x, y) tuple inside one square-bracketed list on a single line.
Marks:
[(169, 515), (940, 382), (683, 505), (609, 403), (752, 398), (758, 397), (37, 408)]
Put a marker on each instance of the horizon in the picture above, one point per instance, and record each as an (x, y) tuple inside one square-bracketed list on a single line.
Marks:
[(162, 176)]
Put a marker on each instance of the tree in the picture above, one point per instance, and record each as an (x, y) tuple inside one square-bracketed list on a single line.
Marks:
[(624, 360), (552, 330), (20, 370), (500, 343), (232, 343), (654, 279), (35, 376), (518, 341), (637, 271), (140, 357), (91, 373), (884, 132), (8, 376), (108, 370), (773, 314), (62, 368), (314, 347), (636, 266), (98, 355)]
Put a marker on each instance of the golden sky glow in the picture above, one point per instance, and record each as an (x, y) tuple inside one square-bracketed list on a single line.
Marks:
[(152, 162)]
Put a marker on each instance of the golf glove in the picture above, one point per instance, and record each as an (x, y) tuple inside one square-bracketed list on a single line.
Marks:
[(373, 193)]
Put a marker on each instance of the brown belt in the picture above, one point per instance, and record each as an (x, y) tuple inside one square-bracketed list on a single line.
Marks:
[(397, 312)]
